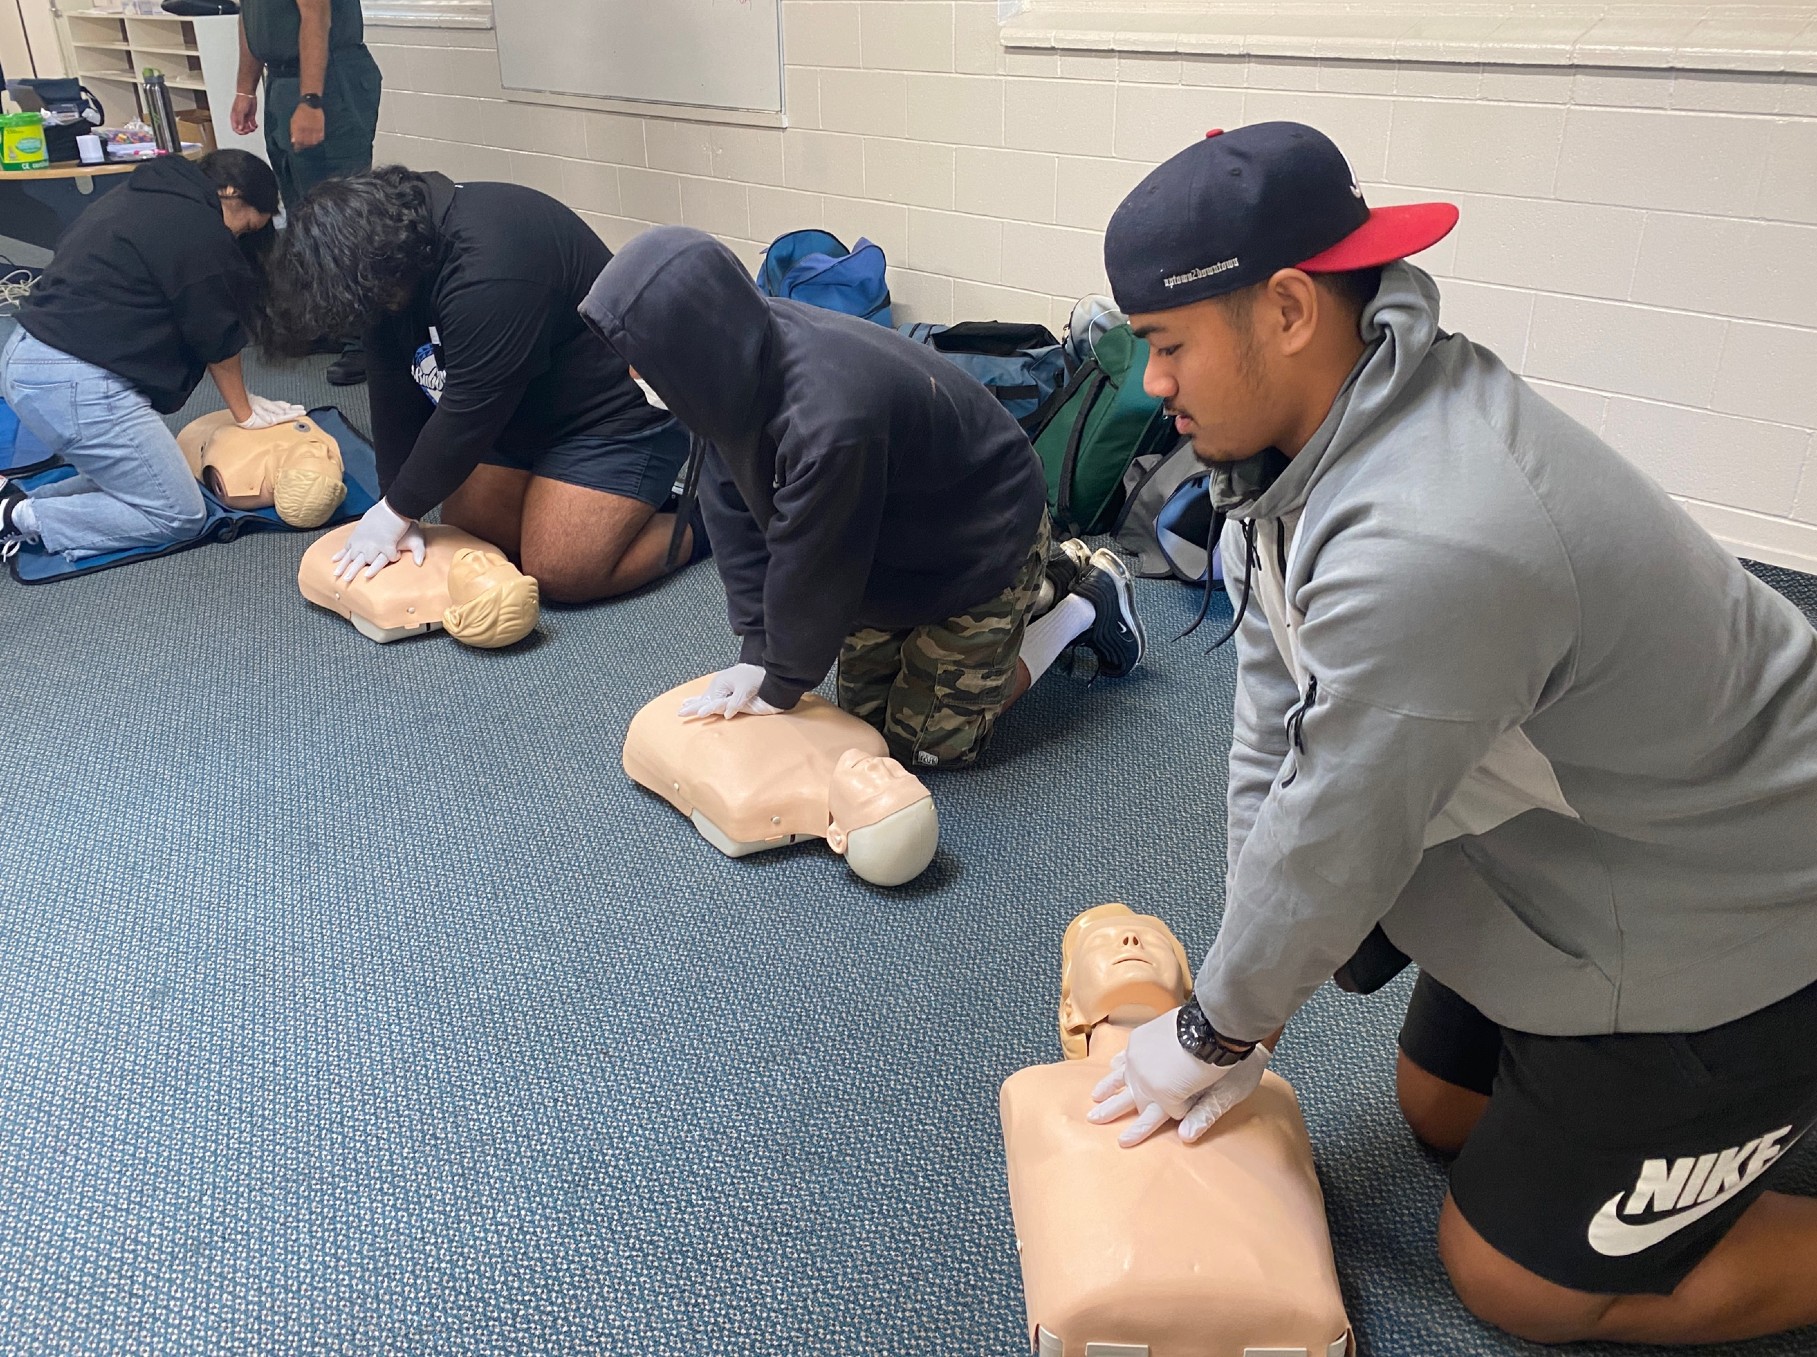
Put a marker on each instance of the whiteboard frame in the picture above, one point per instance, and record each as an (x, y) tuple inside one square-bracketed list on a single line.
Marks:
[(651, 108)]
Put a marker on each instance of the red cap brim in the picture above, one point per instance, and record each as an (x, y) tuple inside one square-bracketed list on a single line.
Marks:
[(1391, 233)]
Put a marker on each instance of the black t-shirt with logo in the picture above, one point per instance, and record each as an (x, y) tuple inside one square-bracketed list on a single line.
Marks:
[(492, 352)]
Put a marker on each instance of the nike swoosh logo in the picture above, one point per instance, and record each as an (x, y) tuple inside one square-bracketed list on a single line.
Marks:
[(1614, 1237)]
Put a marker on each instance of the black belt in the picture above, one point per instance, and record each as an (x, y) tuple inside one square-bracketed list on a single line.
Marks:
[(290, 67)]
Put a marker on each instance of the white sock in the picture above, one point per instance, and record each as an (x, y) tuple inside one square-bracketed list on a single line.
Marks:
[(1047, 636), (25, 519)]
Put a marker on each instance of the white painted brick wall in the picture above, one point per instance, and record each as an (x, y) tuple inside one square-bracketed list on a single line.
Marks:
[(1642, 245)]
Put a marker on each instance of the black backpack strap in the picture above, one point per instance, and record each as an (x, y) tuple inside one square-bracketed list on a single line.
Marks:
[(690, 490), (1050, 410), (1074, 437)]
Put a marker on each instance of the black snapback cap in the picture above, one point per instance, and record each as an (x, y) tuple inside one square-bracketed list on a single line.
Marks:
[(1235, 208)]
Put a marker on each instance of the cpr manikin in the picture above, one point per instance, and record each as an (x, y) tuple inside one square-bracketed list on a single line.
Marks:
[(463, 585), (292, 466), (757, 782), (1214, 1249)]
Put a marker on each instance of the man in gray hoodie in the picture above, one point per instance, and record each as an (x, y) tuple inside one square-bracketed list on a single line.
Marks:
[(1504, 709)]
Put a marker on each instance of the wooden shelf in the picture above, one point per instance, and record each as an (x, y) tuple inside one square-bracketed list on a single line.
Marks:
[(103, 46), (165, 51)]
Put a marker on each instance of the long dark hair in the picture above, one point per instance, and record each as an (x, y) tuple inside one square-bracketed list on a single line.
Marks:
[(351, 251), (253, 182)]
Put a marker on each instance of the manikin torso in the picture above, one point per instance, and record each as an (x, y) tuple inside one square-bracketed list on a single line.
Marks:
[(1216, 1249), (759, 782), (241, 466), (459, 574)]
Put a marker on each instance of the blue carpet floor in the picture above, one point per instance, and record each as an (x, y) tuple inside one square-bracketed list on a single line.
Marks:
[(352, 1000)]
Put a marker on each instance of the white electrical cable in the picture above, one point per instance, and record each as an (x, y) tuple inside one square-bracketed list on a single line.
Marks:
[(16, 286)]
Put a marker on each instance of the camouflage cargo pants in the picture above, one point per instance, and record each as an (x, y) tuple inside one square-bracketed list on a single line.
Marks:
[(934, 691)]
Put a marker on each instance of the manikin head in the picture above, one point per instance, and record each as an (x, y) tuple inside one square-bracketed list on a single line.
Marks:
[(883, 819), (1246, 262), (1115, 962), (491, 602), (306, 484)]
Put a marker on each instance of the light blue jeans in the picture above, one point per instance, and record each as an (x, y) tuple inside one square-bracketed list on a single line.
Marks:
[(133, 488)]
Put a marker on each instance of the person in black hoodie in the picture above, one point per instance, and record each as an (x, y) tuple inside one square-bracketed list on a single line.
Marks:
[(490, 396), (870, 504), (150, 288)]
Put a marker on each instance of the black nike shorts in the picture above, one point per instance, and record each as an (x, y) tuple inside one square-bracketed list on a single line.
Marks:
[(1613, 1164)]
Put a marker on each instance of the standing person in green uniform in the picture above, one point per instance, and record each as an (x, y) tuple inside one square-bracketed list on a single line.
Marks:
[(321, 104)]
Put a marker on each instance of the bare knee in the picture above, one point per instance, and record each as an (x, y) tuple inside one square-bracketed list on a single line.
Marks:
[(563, 577), (1440, 1113), (1499, 1291)]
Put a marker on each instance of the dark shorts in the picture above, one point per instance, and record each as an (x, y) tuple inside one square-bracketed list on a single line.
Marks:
[(1613, 1164), (936, 691), (641, 466)]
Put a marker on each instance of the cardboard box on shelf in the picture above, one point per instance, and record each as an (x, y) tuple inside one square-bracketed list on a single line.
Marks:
[(197, 125)]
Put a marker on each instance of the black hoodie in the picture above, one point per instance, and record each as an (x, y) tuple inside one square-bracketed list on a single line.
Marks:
[(852, 478), (148, 283)]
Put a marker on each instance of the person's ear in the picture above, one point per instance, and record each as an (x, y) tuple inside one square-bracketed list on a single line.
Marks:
[(1293, 310)]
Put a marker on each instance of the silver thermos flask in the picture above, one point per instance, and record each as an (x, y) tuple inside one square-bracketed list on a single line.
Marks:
[(159, 113)]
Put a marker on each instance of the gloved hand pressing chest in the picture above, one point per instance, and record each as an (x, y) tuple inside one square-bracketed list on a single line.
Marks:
[(1160, 1079), (378, 539), (731, 693), (267, 412)]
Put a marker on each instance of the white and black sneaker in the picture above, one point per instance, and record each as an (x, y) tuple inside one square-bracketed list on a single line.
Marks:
[(11, 539), (1066, 561), (1116, 636)]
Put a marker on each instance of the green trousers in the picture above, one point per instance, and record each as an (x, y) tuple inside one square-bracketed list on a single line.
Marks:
[(350, 111)]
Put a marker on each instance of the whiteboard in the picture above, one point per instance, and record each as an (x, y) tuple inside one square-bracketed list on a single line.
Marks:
[(709, 53)]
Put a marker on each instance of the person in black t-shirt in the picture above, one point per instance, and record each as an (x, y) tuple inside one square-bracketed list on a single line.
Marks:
[(151, 287), (490, 396)]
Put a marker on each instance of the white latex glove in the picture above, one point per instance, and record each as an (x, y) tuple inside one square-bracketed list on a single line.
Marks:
[(1244, 1078), (732, 692), (379, 538), (1160, 1081), (267, 412)]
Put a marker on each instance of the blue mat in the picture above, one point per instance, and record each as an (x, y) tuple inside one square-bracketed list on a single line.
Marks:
[(21, 452), (34, 565)]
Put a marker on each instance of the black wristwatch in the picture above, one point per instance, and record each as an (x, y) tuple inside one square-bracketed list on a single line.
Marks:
[(310, 100), (1200, 1041)]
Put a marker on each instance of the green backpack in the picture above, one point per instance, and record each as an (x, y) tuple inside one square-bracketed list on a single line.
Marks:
[(1093, 428)]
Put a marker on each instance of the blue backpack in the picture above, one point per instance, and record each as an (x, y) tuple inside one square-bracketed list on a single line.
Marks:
[(815, 267), (1021, 365)]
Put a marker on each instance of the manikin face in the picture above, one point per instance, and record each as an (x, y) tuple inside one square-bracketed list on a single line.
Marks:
[(1120, 957), (1117, 962), (867, 788), (492, 602)]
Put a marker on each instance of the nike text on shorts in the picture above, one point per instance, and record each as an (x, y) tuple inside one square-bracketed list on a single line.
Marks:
[(1613, 1164)]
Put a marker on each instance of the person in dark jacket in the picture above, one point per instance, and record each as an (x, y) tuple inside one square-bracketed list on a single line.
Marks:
[(870, 505), (150, 288), (490, 396)]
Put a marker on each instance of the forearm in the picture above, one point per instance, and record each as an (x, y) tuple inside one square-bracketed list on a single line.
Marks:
[(230, 381), (246, 83), (314, 22), (453, 442), (1333, 845)]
